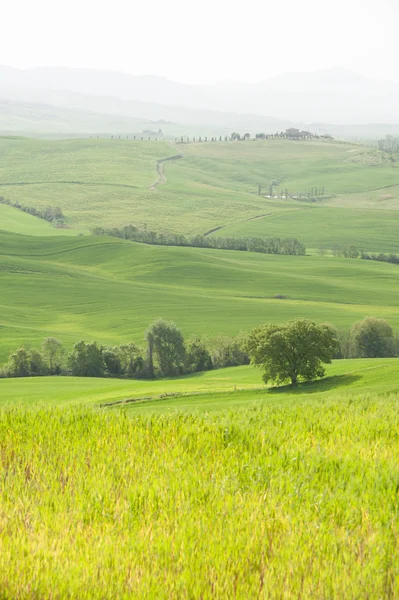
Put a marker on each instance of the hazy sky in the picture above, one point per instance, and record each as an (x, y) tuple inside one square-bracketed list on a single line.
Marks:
[(204, 41)]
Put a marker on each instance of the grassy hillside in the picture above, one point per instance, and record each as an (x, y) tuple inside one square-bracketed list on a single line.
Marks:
[(273, 495), (33, 118), (214, 185), (110, 290), (17, 221), (326, 226), (235, 387)]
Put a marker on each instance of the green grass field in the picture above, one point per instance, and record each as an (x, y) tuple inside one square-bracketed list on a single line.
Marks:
[(109, 183), (244, 494), (235, 387), (111, 290), (209, 485)]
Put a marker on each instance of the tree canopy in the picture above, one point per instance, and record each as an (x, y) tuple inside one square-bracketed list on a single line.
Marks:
[(372, 338), (166, 342), (291, 351)]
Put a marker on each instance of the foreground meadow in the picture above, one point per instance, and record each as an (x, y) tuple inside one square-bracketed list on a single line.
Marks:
[(281, 500)]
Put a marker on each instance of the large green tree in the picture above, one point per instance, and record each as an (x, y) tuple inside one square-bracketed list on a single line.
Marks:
[(291, 351), (166, 344), (52, 352), (372, 338), (131, 359), (198, 357), (86, 359)]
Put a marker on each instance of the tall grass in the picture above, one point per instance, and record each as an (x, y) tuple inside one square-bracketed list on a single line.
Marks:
[(289, 501)]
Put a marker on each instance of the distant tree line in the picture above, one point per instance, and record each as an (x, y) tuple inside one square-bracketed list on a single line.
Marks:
[(166, 354), (52, 214), (389, 144), (286, 351), (313, 194), (275, 245), (290, 134), (352, 251)]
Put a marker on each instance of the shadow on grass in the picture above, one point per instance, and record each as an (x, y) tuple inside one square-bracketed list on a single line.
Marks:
[(311, 387)]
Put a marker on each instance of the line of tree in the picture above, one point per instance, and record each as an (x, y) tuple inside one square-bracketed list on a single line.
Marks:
[(52, 214), (291, 351), (389, 144), (313, 194), (352, 251), (275, 245), (166, 354)]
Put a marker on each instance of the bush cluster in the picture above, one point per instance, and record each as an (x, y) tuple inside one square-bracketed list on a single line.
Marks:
[(369, 338), (275, 245), (352, 251), (166, 354)]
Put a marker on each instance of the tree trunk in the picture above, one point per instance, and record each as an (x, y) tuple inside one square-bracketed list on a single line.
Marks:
[(294, 379), (150, 358)]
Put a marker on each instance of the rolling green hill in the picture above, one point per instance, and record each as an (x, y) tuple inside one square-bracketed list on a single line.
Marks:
[(17, 221), (209, 485), (235, 387), (110, 183), (110, 290)]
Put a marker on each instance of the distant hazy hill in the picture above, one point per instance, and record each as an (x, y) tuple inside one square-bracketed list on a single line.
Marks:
[(30, 117), (34, 108), (331, 96)]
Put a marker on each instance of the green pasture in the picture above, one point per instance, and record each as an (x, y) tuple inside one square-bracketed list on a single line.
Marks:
[(234, 387), (109, 183), (110, 290), (326, 226)]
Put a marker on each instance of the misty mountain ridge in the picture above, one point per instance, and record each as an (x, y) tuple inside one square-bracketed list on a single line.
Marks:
[(334, 96)]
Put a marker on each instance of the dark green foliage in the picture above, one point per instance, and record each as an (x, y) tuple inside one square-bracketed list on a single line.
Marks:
[(381, 257), (26, 363), (86, 360), (227, 352), (132, 363), (198, 357), (53, 353), (112, 361), (52, 214), (36, 363), (287, 246), (372, 338), (167, 346), (292, 351)]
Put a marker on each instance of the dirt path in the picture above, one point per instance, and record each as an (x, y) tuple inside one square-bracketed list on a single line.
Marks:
[(238, 222), (160, 170)]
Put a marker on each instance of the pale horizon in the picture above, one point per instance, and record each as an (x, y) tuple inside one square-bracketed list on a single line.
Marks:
[(207, 43), (225, 81)]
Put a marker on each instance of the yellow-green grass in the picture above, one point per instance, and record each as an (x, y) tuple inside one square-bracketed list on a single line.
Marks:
[(110, 290), (109, 183), (234, 387), (381, 199), (295, 498)]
